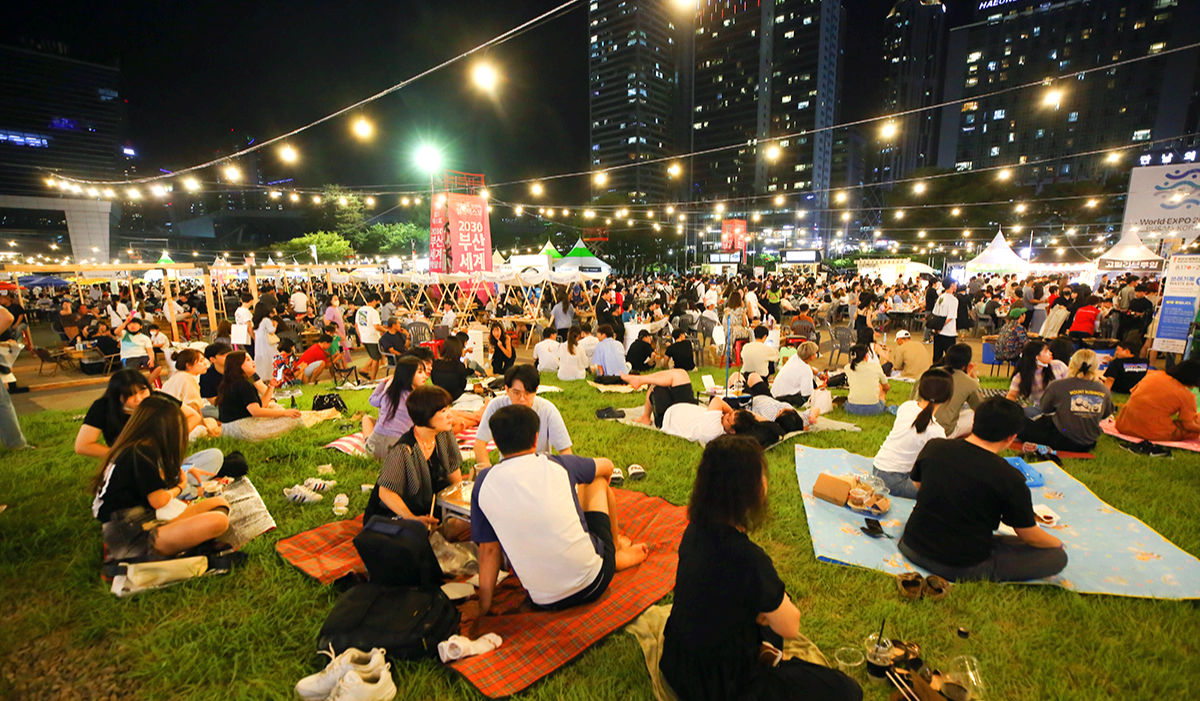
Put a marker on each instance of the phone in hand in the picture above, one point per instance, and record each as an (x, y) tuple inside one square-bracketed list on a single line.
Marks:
[(279, 375), (874, 529)]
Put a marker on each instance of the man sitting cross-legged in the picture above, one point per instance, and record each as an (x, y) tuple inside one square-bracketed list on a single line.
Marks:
[(554, 516), (964, 491), (672, 406)]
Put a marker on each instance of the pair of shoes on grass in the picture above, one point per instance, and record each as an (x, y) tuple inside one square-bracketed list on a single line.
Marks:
[(353, 675), (913, 586), (1147, 449), (307, 493), (637, 473)]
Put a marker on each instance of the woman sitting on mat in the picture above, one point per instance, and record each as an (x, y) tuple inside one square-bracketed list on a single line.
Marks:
[(184, 385), (729, 599), (572, 359), (244, 414), (421, 463), (107, 416), (503, 355), (1036, 369), (448, 371), (1072, 408), (868, 385), (135, 490), (1162, 406), (914, 428), (389, 398)]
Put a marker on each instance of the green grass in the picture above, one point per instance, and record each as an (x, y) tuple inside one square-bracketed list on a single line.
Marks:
[(251, 634)]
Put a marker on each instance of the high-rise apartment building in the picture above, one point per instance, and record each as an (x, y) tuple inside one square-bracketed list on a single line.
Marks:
[(1064, 125), (632, 94), (914, 52)]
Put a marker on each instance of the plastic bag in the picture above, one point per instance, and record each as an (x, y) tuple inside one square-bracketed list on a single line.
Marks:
[(822, 400), (455, 558)]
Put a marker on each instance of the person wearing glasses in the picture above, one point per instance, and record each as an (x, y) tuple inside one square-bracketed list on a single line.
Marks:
[(521, 383)]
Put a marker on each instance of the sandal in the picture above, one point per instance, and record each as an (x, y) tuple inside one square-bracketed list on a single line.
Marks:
[(935, 588), (609, 413), (618, 477), (910, 584), (637, 472)]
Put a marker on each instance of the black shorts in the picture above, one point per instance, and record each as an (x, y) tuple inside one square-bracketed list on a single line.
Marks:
[(761, 389), (373, 351), (663, 398), (130, 535), (137, 363), (609, 380), (600, 529)]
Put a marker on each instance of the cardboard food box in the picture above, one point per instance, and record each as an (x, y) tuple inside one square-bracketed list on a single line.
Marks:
[(834, 489)]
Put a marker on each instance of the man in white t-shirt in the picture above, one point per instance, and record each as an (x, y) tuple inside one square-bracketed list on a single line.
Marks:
[(554, 517), (946, 306), (795, 383), (448, 315), (545, 353), (757, 356), (521, 383), (587, 341), (242, 316), (752, 310), (299, 304), (671, 405), (366, 321)]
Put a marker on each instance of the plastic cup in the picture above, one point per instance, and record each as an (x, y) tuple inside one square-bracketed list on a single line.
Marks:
[(858, 496), (850, 661), (876, 484), (965, 673), (879, 657)]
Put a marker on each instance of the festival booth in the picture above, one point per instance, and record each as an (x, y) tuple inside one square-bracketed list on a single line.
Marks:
[(892, 270), (582, 260), (1130, 255), (998, 258), (799, 261), (1060, 261)]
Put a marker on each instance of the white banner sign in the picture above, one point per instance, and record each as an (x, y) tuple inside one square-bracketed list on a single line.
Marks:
[(1180, 291), (1164, 205)]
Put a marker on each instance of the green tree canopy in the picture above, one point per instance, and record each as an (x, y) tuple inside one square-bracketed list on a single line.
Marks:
[(330, 245), (378, 239)]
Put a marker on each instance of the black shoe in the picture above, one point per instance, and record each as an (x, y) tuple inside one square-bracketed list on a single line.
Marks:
[(609, 413), (1147, 449)]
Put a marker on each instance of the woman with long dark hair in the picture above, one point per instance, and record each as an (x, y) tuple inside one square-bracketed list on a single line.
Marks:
[(572, 359), (503, 355), (389, 398), (914, 427), (245, 415), (563, 317), (1036, 369), (868, 385), (729, 599), (138, 482), (1072, 407), (448, 370)]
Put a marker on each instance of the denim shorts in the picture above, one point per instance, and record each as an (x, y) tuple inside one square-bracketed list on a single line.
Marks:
[(865, 409)]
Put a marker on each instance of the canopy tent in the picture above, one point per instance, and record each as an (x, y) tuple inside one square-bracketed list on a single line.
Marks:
[(29, 281), (1062, 258), (998, 257), (914, 269), (497, 259), (582, 260), (549, 250), (1130, 255)]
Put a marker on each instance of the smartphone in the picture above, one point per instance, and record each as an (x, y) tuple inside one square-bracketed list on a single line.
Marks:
[(874, 529), (279, 375)]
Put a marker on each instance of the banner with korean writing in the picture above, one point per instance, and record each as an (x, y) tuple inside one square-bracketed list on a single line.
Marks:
[(733, 235), (1181, 288), (437, 236), (470, 234)]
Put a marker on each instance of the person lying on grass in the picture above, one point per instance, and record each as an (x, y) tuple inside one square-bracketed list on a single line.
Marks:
[(729, 600), (965, 490), (554, 516), (136, 488), (671, 406), (521, 384)]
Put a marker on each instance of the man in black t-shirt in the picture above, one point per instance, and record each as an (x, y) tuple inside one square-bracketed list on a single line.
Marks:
[(681, 352), (211, 379), (641, 355), (1139, 314), (1125, 370), (964, 492)]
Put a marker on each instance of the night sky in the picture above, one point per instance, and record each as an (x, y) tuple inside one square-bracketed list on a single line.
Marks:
[(202, 78)]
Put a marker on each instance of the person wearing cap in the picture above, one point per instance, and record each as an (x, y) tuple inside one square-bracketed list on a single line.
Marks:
[(1012, 336), (910, 359)]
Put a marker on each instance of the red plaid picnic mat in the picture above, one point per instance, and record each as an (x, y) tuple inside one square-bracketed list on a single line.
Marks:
[(325, 553), (466, 439), (538, 642)]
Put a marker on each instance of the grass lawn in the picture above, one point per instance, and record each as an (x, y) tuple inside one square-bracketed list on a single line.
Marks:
[(251, 634)]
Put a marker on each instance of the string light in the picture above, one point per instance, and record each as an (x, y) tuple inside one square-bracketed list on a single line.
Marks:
[(134, 194), (276, 194), (404, 201), (888, 130), (363, 128), (232, 174), (1004, 174), (600, 178), (519, 210), (294, 197), (720, 207), (342, 201), (919, 188), (191, 185), (840, 197), (158, 191), (955, 212), (316, 199), (778, 200), (485, 76), (370, 201), (674, 170), (288, 154), (536, 189), (773, 152), (108, 192)]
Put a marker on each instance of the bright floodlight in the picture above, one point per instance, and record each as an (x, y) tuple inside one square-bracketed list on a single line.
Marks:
[(288, 154), (429, 159), (232, 174), (363, 128), (485, 76), (888, 130), (536, 189)]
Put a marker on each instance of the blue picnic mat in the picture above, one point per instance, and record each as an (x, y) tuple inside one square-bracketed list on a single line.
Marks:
[(1110, 552)]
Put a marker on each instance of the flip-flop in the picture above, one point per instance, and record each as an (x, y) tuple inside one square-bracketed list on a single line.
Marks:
[(935, 588), (910, 585), (609, 413), (618, 477), (637, 472)]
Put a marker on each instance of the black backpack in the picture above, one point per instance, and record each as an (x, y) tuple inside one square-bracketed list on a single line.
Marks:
[(397, 552), (321, 402), (408, 622)]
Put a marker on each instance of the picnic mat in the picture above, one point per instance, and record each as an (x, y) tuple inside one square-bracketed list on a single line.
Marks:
[(1109, 552), (248, 515), (312, 418), (622, 389), (1017, 445), (538, 642), (354, 444), (326, 553), (1109, 426), (823, 423)]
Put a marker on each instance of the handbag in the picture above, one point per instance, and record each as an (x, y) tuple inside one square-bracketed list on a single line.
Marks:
[(321, 402), (934, 322)]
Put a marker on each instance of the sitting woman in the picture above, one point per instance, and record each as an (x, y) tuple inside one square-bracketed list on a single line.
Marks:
[(868, 385), (1036, 369), (423, 462), (914, 428), (1072, 408), (184, 385), (729, 600), (224, 332), (244, 414), (572, 359), (1162, 407), (448, 371), (1087, 319), (389, 398), (135, 490), (503, 355)]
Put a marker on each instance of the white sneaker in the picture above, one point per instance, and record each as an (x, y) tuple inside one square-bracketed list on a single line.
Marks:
[(300, 494), (318, 687), (377, 685), (319, 485), (341, 504)]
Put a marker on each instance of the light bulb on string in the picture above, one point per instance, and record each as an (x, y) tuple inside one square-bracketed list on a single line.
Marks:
[(232, 174), (536, 189), (294, 197), (288, 154), (363, 128), (370, 201), (600, 178), (485, 76)]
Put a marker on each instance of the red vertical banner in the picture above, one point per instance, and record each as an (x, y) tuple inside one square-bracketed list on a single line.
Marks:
[(733, 235), (437, 236), (470, 234)]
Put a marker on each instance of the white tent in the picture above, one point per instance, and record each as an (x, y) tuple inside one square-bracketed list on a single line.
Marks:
[(997, 258), (582, 260), (912, 269), (1130, 255)]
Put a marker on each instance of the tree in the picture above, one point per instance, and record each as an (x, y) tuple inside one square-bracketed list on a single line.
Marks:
[(391, 238), (341, 211), (330, 245)]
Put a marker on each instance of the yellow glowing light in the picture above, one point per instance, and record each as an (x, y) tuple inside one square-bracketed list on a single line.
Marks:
[(548, 213), (232, 174), (519, 210), (191, 184), (1021, 208), (1052, 98), (343, 201), (108, 192), (316, 199), (674, 170), (93, 192), (276, 194), (294, 197), (899, 213), (966, 233), (134, 194), (484, 193), (566, 213), (840, 197), (801, 213), (756, 217), (600, 178), (845, 216), (921, 234), (363, 128), (370, 201), (889, 130), (288, 154), (778, 200), (51, 182), (670, 209), (919, 188), (404, 201), (536, 189), (650, 214), (588, 214), (773, 153), (416, 200), (485, 76), (955, 212), (629, 223), (1004, 174), (1113, 157), (720, 207), (682, 217), (1093, 203)]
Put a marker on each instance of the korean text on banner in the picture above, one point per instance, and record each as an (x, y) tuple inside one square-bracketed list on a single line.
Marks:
[(471, 235), (437, 237), (1180, 290), (733, 235)]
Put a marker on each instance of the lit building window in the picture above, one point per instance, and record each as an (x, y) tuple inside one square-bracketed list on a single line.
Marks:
[(1141, 135), (1156, 48), (995, 151), (970, 106)]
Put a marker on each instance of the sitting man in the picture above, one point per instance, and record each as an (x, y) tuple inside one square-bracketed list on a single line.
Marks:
[(641, 355), (757, 357), (315, 359), (796, 380), (910, 359), (521, 383), (681, 353), (554, 517), (671, 405), (964, 491), (608, 360), (545, 353), (1125, 370)]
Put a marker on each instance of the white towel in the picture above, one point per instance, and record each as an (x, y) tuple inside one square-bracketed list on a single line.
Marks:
[(458, 647)]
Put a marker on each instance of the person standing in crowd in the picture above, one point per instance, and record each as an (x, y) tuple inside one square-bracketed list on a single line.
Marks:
[(947, 308), (366, 321)]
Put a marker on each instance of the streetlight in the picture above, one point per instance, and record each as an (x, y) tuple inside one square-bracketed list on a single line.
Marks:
[(428, 159)]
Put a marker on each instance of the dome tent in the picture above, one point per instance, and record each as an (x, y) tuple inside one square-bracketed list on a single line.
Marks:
[(998, 257), (1130, 255), (581, 259)]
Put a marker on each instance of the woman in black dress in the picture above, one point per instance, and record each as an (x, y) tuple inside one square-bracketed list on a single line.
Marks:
[(503, 355), (728, 598)]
